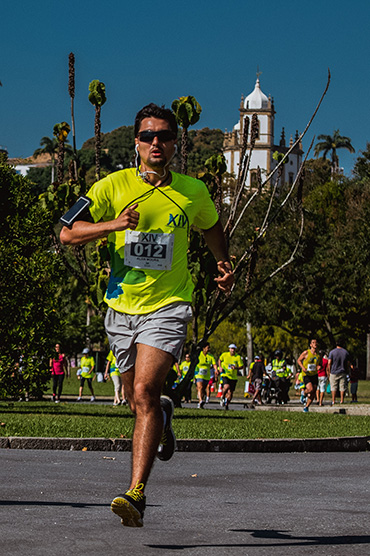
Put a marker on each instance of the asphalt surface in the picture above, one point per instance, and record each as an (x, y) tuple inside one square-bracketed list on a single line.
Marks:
[(293, 504)]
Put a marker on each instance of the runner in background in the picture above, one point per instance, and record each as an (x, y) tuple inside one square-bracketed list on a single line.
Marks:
[(229, 364)]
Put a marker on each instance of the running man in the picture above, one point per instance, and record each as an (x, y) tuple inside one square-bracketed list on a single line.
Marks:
[(183, 371), (310, 362), (202, 374), (229, 364), (146, 212)]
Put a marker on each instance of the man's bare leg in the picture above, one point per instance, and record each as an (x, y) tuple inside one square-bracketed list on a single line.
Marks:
[(143, 386), (310, 393)]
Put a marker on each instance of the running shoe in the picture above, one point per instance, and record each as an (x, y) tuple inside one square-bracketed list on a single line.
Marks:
[(222, 402), (305, 409), (130, 506), (92, 399), (167, 445)]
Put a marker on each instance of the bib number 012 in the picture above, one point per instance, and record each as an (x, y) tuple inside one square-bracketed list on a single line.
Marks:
[(149, 250)]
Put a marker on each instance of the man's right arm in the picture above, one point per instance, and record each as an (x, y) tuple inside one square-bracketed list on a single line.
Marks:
[(83, 232), (300, 361)]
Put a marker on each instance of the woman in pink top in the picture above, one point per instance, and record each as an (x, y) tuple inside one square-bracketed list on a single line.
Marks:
[(58, 365), (322, 374)]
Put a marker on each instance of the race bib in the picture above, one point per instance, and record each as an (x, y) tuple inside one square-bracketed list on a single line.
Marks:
[(85, 369), (202, 371), (149, 250), (311, 367)]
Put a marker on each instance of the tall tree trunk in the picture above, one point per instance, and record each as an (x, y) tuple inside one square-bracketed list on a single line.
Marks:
[(97, 141), (71, 90), (60, 163), (184, 150)]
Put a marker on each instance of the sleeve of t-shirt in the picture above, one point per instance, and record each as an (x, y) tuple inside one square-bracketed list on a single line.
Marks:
[(206, 216), (99, 194)]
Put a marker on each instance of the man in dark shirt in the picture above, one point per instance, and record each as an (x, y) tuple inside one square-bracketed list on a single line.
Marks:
[(338, 368), (256, 373)]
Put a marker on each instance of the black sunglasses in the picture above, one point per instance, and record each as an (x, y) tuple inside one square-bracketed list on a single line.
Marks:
[(163, 135)]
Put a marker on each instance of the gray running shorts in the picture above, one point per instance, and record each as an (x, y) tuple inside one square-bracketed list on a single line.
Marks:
[(164, 329)]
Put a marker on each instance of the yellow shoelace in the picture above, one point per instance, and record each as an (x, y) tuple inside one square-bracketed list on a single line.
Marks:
[(137, 493)]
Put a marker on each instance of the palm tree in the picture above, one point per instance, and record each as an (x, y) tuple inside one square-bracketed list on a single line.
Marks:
[(330, 143), (97, 98), (187, 112), (49, 146)]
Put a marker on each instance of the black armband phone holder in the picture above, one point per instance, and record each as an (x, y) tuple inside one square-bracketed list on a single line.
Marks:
[(79, 211)]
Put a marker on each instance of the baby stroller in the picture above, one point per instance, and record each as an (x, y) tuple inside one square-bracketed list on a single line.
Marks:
[(270, 391)]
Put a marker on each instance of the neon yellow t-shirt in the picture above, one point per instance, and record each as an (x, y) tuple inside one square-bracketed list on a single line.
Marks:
[(184, 367), (149, 265), (87, 365), (230, 365), (203, 369), (113, 369), (310, 363)]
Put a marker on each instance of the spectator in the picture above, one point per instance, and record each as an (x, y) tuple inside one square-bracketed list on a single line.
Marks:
[(338, 367), (280, 378), (58, 368), (256, 372), (354, 376), (322, 377)]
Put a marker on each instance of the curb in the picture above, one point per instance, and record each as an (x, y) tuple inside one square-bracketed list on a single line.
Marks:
[(343, 444)]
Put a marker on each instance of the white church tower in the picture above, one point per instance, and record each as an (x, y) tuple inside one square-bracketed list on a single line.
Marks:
[(258, 103)]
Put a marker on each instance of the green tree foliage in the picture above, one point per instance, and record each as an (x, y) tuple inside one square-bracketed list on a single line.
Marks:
[(326, 293), (28, 273), (331, 144), (48, 146), (97, 98), (203, 143), (187, 111), (361, 170), (117, 148), (61, 131), (40, 179)]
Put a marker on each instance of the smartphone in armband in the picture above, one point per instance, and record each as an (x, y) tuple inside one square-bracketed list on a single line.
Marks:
[(79, 211)]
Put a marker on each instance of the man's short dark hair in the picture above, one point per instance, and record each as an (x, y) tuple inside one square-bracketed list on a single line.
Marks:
[(154, 111)]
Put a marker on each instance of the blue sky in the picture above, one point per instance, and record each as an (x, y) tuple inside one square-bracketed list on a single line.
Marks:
[(148, 51)]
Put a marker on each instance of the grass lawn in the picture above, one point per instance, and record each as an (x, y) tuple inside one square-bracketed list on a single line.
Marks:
[(46, 419)]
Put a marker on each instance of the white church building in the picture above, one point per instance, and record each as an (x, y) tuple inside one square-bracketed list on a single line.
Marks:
[(257, 102)]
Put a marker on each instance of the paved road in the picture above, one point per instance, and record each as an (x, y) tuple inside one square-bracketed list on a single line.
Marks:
[(57, 502)]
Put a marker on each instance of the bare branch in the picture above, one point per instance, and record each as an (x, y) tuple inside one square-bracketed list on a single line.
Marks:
[(299, 139)]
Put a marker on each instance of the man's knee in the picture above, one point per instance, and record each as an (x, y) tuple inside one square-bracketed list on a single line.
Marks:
[(146, 396)]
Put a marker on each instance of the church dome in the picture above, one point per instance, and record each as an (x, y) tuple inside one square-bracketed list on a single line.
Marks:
[(257, 99)]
